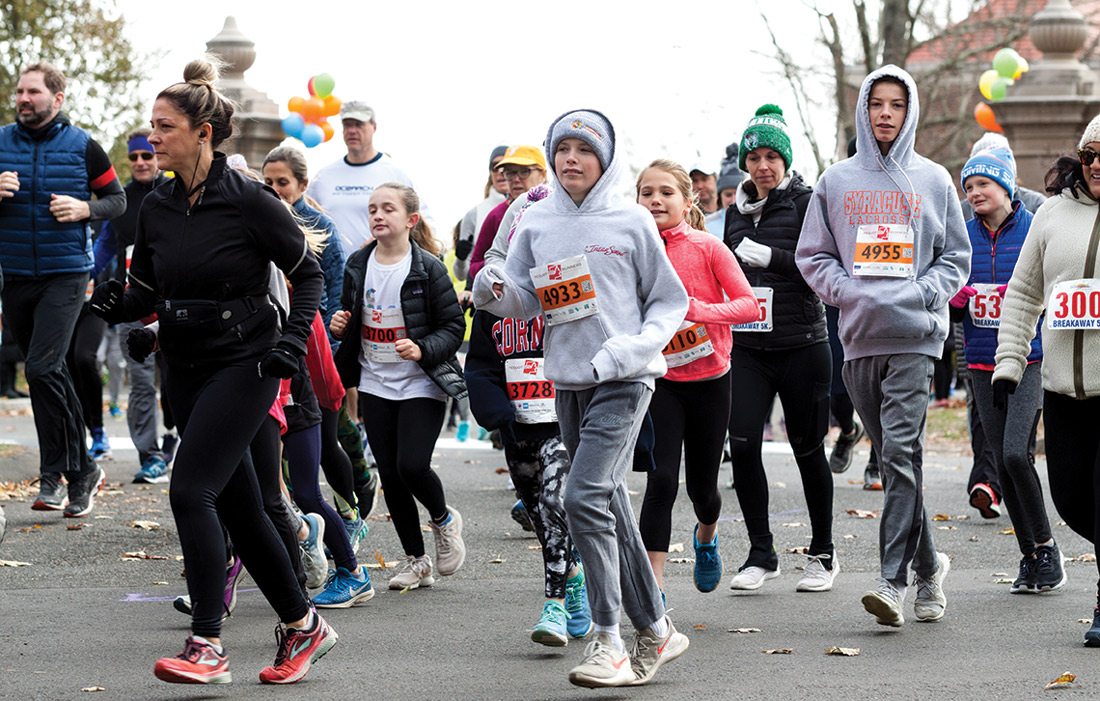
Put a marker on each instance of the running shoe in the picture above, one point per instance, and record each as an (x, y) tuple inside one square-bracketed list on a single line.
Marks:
[(101, 446), (450, 550), (114, 411), (652, 650), (153, 471), (52, 494), (708, 563), (816, 576), (751, 578), (872, 478), (82, 492), (603, 665), (344, 590), (576, 605), (1092, 636), (199, 663), (844, 449), (551, 628), (985, 500), (298, 650), (168, 444), (1049, 571), (1025, 580), (313, 556), (931, 603), (463, 432), (884, 604), (521, 516), (357, 530), (366, 494), (3, 524), (233, 575), (414, 572)]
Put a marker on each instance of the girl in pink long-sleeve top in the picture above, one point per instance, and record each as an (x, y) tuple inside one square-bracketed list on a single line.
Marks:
[(691, 404)]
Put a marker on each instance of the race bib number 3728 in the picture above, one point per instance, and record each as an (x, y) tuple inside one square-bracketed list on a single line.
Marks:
[(565, 290)]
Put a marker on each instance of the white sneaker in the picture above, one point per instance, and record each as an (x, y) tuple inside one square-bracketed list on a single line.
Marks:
[(931, 602), (884, 604), (313, 554), (603, 665), (450, 550), (651, 651), (816, 577), (752, 578), (414, 572)]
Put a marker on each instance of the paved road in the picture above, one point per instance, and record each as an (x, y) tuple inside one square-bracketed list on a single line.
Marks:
[(80, 617)]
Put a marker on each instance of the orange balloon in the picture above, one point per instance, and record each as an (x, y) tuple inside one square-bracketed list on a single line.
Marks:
[(986, 119), (312, 110), (332, 106), (327, 128), (294, 104)]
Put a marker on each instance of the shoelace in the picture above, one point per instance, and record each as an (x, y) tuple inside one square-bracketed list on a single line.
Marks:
[(443, 539), (192, 651), (926, 588), (282, 644), (884, 587), (573, 603), (596, 651), (1044, 560)]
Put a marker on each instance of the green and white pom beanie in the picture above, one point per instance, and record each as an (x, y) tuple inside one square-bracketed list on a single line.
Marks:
[(766, 129)]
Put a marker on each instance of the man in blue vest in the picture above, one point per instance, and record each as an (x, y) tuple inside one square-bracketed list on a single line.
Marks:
[(49, 170)]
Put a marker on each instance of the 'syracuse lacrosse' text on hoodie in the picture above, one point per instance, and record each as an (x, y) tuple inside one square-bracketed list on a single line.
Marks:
[(608, 293), (884, 240)]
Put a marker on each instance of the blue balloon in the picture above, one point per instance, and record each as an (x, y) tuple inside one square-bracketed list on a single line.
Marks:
[(293, 124), (312, 135)]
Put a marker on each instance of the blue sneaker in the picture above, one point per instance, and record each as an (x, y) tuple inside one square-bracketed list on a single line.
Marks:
[(115, 411), (153, 471), (344, 590), (463, 432), (357, 530), (708, 564), (101, 447), (576, 605), (520, 516), (551, 628)]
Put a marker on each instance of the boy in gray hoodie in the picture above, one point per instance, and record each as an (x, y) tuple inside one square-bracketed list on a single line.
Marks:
[(594, 267), (885, 242)]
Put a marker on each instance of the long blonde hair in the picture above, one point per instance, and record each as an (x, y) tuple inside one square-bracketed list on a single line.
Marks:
[(695, 217), (421, 233)]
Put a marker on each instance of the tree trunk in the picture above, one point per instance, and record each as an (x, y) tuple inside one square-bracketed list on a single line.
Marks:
[(895, 32)]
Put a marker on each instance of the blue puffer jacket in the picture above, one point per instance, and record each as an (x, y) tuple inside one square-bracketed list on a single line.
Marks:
[(32, 242), (994, 259), (332, 261)]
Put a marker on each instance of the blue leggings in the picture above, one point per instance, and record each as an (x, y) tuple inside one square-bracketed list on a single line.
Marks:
[(303, 457)]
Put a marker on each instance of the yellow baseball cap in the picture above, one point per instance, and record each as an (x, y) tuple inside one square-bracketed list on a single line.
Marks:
[(523, 156)]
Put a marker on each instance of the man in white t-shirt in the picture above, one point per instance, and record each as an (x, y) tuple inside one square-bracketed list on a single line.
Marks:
[(344, 187)]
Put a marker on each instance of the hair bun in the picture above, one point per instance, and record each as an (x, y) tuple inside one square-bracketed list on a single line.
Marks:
[(769, 109), (202, 71)]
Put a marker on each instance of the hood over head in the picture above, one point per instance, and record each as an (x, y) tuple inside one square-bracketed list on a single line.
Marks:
[(901, 151)]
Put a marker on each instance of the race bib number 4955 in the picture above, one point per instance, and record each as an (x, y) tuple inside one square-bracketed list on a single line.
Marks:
[(565, 290), (883, 250)]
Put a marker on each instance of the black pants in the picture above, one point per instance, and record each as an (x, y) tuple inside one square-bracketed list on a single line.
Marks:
[(42, 313), (81, 359), (690, 418), (1073, 461), (264, 453), (334, 460), (402, 434), (219, 411), (801, 379)]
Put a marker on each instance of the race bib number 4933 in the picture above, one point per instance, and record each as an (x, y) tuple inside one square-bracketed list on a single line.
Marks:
[(883, 250), (565, 290), (1074, 304)]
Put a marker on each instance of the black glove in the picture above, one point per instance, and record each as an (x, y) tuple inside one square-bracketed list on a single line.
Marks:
[(106, 298), (463, 249), (280, 363), (140, 344), (1001, 389)]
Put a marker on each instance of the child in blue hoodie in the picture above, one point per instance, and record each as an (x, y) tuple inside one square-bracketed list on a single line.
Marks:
[(884, 241), (595, 269)]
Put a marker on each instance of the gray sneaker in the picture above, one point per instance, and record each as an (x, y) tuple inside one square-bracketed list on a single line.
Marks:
[(884, 604), (414, 572), (650, 651), (52, 494), (931, 602), (603, 665), (450, 550), (313, 555), (844, 449)]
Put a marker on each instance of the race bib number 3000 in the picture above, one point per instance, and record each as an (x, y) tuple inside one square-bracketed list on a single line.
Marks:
[(883, 250), (382, 328), (763, 323), (690, 343), (985, 307), (1074, 304), (565, 290), (531, 394)]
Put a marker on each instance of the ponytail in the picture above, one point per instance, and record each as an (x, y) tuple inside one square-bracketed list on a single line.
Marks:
[(695, 217)]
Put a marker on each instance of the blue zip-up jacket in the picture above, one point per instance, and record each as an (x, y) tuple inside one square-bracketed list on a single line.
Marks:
[(332, 261)]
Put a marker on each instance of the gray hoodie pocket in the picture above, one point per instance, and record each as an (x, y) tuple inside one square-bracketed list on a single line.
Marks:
[(884, 308)]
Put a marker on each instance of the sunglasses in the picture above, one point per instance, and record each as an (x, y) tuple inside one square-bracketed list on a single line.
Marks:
[(143, 155), (1087, 156)]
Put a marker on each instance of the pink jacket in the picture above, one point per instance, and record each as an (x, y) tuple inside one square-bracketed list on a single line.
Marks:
[(708, 269)]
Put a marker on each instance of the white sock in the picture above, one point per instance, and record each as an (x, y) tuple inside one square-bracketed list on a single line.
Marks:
[(660, 627), (199, 639), (611, 632)]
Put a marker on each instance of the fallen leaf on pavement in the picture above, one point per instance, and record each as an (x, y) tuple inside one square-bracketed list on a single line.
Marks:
[(793, 524), (999, 574), (76, 526), (779, 485), (145, 525), (941, 517), (160, 584), (633, 492), (803, 550), (850, 536), (1005, 580), (974, 539), (1083, 557), (744, 630), (31, 529), (93, 688), (501, 470), (1086, 621), (681, 560), (862, 513), (676, 548), (498, 560), (141, 555), (842, 651), (962, 517), (947, 528), (778, 651), (860, 482), (1008, 531), (1062, 682), (14, 563), (699, 626), (472, 462), (534, 547)]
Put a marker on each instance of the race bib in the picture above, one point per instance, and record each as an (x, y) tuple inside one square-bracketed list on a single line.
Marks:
[(1074, 304), (985, 306), (531, 394), (88, 290), (763, 322), (565, 290), (883, 250), (690, 343), (382, 328)]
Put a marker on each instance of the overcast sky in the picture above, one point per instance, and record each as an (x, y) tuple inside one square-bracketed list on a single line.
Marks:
[(449, 81)]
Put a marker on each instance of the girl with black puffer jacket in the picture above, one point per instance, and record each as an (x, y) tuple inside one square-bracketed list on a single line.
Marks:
[(401, 327)]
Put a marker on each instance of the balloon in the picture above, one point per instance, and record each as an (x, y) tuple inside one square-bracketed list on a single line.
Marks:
[(1006, 62), (312, 110), (311, 88), (323, 83), (999, 89), (985, 83), (983, 115), (312, 135), (294, 104), (327, 128), (1022, 68), (332, 106), (293, 124)]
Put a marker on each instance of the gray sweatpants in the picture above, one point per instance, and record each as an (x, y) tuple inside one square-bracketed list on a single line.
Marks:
[(599, 427), (890, 392), (141, 413)]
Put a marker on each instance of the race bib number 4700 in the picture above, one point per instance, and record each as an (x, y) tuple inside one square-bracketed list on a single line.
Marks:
[(565, 290), (382, 328), (883, 250), (1074, 304)]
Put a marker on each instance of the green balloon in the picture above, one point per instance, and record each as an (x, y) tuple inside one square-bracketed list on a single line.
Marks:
[(323, 83), (1006, 63), (998, 90)]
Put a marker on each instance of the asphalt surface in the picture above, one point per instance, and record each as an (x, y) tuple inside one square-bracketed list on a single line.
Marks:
[(80, 617)]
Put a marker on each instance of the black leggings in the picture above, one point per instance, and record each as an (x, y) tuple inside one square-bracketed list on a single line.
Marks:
[(800, 377), (219, 411), (402, 435), (1073, 461), (265, 460), (334, 460), (81, 359), (689, 418), (303, 457)]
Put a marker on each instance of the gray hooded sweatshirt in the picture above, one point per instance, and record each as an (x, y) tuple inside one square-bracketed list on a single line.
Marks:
[(886, 315), (640, 298)]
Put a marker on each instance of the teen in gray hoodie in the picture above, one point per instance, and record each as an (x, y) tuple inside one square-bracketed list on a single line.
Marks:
[(885, 242), (595, 268)]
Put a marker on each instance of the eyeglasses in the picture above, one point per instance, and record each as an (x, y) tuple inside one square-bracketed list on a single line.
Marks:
[(514, 173), (143, 155), (1087, 156)]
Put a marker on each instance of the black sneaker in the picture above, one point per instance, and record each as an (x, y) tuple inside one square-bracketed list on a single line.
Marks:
[(872, 478), (844, 449), (82, 491), (52, 495), (1092, 637), (367, 494), (1025, 581), (1049, 572)]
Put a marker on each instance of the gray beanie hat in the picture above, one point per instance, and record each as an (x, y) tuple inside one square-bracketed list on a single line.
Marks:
[(590, 127)]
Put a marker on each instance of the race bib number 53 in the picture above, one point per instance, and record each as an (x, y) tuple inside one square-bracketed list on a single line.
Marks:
[(1074, 304), (985, 307), (565, 290), (883, 250)]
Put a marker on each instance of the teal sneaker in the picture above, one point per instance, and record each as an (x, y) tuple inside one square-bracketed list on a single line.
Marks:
[(357, 532), (344, 590), (708, 563), (551, 628), (576, 605)]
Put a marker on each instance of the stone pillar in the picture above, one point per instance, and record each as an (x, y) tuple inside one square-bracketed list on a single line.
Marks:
[(258, 128), (1051, 104)]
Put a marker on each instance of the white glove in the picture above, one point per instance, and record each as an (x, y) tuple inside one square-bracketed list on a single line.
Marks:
[(752, 253)]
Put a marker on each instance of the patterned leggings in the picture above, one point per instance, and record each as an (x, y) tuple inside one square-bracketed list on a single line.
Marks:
[(539, 469)]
